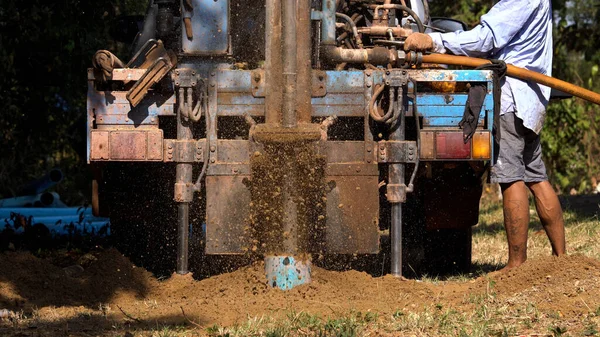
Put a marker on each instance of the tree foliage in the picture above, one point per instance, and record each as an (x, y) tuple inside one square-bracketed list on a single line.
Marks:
[(46, 47)]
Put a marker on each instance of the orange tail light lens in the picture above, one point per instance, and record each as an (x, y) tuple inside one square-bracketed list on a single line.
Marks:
[(482, 145)]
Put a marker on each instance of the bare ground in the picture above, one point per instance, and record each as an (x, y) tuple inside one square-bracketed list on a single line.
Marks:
[(113, 291), (113, 297)]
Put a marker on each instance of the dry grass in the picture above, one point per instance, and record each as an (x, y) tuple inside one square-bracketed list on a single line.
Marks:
[(489, 239), (489, 316)]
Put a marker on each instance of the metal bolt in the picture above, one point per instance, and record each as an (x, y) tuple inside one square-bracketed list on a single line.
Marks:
[(213, 148), (369, 150), (257, 78), (193, 83), (235, 170), (369, 161), (357, 169), (213, 74), (176, 72), (212, 84), (368, 85), (212, 160), (176, 82), (387, 72), (194, 72), (170, 146), (368, 74)]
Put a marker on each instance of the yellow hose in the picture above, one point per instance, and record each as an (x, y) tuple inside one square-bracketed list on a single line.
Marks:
[(517, 72)]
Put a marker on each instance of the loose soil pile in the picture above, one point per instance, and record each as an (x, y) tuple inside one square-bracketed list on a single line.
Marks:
[(111, 289)]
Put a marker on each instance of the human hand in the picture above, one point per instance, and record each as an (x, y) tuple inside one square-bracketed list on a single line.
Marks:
[(418, 42)]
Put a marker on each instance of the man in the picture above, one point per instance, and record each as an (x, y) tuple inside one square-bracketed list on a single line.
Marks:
[(520, 33)]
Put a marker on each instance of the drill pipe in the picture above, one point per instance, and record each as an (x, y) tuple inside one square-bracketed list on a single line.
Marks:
[(517, 72), (290, 66)]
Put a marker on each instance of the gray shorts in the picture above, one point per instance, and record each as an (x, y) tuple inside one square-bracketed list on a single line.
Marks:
[(518, 157)]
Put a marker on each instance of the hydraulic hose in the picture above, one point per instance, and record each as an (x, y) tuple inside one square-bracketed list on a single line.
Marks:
[(517, 72)]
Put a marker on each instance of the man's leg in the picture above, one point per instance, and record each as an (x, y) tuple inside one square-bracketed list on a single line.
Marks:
[(516, 221), (550, 213)]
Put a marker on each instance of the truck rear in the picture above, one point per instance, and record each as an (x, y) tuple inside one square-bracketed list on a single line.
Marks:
[(286, 129)]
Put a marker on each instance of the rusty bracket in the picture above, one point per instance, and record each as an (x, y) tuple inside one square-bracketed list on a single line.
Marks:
[(185, 77), (258, 83), (394, 152), (396, 193), (318, 83), (184, 151), (157, 61), (184, 192), (396, 78)]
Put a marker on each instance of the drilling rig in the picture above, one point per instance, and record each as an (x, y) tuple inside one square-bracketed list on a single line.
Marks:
[(288, 129)]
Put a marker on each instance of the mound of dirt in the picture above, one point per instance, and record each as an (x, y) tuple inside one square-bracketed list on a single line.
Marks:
[(569, 284)]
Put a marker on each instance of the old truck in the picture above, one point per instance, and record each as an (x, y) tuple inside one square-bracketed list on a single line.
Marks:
[(207, 137)]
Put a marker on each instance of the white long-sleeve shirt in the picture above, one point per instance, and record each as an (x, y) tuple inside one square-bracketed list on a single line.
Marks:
[(520, 33)]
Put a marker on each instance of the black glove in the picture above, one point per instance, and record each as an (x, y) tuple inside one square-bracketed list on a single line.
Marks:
[(473, 107)]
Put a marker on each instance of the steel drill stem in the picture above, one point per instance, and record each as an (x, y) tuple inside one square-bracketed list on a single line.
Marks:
[(290, 65), (273, 65), (183, 175)]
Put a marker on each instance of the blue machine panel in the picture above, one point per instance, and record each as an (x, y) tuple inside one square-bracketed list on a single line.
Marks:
[(210, 25)]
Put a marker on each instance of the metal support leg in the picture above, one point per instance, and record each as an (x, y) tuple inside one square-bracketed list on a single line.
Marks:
[(397, 191), (184, 193), (183, 232), (396, 240)]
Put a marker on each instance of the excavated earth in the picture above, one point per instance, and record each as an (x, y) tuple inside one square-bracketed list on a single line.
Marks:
[(110, 291)]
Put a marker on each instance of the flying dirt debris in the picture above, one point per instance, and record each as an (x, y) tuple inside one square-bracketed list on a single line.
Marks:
[(295, 129)]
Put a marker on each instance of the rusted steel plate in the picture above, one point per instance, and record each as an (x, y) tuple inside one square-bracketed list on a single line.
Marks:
[(353, 215), (128, 145), (345, 151), (155, 143), (99, 146), (427, 145), (318, 88), (227, 206), (233, 151), (352, 169), (184, 150)]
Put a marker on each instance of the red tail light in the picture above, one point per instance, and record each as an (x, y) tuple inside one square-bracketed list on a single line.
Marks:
[(450, 145)]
